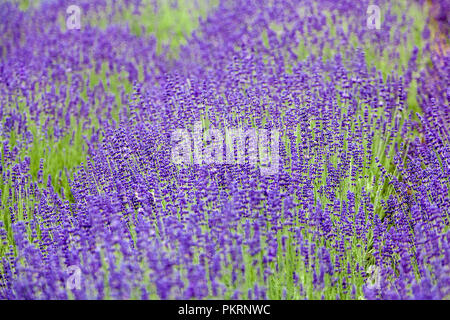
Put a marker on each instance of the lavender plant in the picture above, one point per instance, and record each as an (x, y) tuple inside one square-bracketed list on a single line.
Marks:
[(358, 208)]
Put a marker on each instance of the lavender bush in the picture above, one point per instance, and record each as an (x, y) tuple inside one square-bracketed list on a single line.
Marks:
[(93, 207)]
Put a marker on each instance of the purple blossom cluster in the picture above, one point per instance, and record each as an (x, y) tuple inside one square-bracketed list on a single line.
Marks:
[(362, 185)]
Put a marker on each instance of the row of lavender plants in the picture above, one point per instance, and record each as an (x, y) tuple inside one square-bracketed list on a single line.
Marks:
[(93, 207)]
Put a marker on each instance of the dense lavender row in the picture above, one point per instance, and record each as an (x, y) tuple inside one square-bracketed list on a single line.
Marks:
[(361, 194)]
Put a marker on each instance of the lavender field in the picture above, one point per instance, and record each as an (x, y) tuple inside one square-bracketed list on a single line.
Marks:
[(224, 149)]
